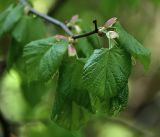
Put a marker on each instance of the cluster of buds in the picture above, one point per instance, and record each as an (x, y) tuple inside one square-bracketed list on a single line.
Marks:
[(73, 23)]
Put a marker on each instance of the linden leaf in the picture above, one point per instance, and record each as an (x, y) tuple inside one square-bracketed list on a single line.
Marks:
[(131, 45), (72, 106), (105, 75), (43, 57)]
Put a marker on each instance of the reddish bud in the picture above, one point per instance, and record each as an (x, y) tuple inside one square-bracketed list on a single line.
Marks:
[(71, 50), (110, 22), (74, 19)]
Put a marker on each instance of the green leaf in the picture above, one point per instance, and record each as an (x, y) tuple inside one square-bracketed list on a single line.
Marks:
[(28, 29), (110, 106), (68, 114), (13, 17), (119, 102), (70, 82), (43, 57), (3, 15), (130, 44), (5, 4), (14, 53), (39, 89), (106, 74), (72, 99), (25, 31)]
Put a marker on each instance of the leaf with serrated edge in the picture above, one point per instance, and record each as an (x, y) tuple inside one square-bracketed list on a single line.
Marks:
[(43, 57), (119, 102), (131, 45), (106, 73)]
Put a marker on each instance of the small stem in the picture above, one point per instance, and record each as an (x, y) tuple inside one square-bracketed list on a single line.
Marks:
[(83, 35), (96, 26), (88, 33)]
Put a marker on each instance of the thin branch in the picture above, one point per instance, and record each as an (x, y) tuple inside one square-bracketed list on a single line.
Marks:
[(88, 33), (47, 18), (59, 23), (52, 20)]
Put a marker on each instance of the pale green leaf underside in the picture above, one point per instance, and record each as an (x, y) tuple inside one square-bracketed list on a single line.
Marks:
[(131, 45), (43, 57), (70, 82), (72, 105)]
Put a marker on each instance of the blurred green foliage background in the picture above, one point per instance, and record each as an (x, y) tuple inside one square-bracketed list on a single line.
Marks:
[(30, 106)]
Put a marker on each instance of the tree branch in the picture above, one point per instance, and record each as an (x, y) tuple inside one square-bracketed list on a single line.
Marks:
[(59, 23), (47, 18), (52, 20), (88, 33)]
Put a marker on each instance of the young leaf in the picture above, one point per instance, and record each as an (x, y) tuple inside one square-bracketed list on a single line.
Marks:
[(43, 57), (106, 72), (72, 105), (12, 18), (130, 44)]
